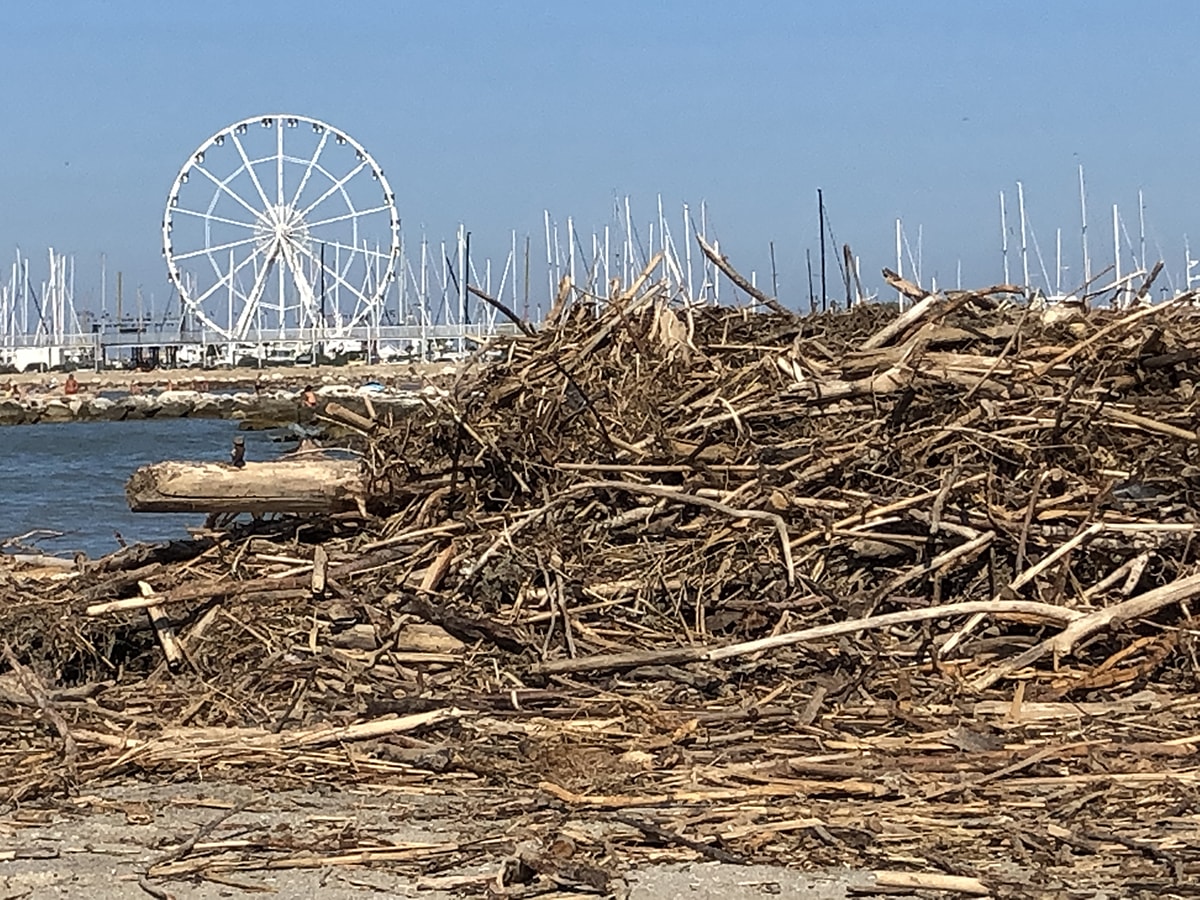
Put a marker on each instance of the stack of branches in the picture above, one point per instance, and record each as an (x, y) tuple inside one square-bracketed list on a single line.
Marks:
[(717, 474), (662, 556)]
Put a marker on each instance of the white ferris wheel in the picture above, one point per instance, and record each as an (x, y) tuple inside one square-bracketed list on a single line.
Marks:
[(281, 222)]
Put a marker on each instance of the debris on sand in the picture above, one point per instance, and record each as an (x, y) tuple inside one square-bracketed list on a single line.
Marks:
[(908, 591)]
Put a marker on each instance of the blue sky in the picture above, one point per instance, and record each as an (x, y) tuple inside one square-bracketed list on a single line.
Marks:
[(489, 113)]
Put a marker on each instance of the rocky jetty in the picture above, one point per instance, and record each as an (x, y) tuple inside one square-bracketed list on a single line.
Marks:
[(261, 409)]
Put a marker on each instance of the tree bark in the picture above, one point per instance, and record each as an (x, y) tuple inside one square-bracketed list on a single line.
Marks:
[(298, 486)]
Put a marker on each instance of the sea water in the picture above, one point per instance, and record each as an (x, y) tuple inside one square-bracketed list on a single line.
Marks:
[(67, 480)]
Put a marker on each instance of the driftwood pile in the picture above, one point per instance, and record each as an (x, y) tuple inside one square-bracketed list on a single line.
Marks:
[(904, 591)]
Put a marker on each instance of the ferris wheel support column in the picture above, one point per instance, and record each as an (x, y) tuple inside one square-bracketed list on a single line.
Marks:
[(250, 309), (303, 287)]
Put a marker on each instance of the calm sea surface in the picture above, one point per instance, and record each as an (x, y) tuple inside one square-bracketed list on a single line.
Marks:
[(70, 477)]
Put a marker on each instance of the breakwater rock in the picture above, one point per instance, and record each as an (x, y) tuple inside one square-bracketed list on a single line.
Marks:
[(265, 409)]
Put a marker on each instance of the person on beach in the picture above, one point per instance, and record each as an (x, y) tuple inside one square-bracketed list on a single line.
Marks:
[(237, 456), (71, 386), (309, 397)]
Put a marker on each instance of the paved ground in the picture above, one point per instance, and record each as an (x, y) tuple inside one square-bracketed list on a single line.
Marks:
[(98, 844)]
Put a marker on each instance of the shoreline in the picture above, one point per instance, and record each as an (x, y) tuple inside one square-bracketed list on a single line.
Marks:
[(270, 407), (262, 398), (160, 379)]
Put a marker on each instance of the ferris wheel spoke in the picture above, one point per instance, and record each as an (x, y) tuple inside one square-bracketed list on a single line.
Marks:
[(279, 161), (211, 218), (339, 245), (333, 188), (250, 169), (206, 250), (226, 279), (350, 215), (351, 256), (308, 170), (337, 276), (224, 186)]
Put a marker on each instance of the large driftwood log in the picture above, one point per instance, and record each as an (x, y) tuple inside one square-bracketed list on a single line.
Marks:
[(300, 486), (736, 277)]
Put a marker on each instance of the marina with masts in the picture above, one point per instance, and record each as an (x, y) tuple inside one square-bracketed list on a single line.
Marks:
[(1121, 277), (426, 311), (284, 245)]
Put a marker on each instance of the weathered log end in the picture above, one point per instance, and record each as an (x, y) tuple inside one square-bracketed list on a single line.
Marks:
[(297, 486)]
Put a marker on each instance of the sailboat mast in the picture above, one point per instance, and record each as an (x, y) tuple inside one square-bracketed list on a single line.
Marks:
[(812, 300), (1142, 229), (1117, 247), (821, 225), (1004, 237), (1024, 247), (1087, 263), (1058, 262)]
